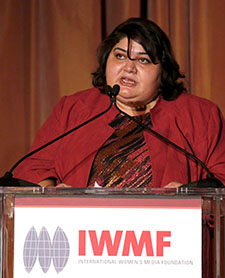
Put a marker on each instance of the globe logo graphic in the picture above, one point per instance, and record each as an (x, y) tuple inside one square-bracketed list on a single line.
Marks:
[(46, 251)]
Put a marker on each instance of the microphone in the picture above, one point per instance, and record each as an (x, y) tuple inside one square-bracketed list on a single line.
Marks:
[(8, 180), (210, 181), (112, 92)]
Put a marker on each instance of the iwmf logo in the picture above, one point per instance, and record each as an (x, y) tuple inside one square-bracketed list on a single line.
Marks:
[(89, 243), (42, 248)]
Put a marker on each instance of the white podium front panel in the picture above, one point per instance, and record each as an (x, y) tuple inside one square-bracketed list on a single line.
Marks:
[(107, 237)]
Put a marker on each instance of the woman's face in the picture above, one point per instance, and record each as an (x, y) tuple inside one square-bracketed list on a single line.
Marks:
[(138, 79)]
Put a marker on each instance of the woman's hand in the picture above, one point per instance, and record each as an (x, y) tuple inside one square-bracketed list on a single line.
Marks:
[(52, 183), (47, 183), (173, 184), (63, 185)]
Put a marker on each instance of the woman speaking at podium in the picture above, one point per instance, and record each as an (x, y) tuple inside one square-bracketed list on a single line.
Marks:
[(114, 150)]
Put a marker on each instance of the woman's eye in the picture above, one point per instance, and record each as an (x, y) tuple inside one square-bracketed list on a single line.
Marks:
[(144, 60), (120, 56)]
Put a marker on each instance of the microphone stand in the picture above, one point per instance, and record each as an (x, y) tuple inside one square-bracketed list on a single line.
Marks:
[(210, 181)]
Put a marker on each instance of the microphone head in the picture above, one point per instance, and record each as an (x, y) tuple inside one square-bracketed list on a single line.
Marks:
[(108, 90), (115, 90)]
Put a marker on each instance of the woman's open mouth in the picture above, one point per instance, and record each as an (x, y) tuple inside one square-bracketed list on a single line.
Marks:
[(125, 81)]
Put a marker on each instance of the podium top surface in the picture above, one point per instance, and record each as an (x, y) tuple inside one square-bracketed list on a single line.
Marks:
[(220, 192)]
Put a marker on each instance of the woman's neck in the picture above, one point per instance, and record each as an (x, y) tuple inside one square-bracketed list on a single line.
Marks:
[(137, 110)]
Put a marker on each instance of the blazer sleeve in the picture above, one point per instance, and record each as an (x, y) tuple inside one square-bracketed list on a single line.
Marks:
[(41, 165), (216, 144)]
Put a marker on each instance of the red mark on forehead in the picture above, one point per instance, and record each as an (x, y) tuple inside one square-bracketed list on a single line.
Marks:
[(130, 47)]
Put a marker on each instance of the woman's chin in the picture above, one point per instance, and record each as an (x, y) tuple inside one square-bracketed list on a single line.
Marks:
[(125, 95)]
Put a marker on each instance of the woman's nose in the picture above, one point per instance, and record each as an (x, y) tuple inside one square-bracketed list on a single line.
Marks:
[(130, 66)]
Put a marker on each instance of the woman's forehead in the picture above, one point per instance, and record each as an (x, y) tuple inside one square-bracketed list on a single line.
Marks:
[(134, 46)]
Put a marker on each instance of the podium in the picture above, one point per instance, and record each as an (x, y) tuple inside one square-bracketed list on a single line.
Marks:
[(53, 232)]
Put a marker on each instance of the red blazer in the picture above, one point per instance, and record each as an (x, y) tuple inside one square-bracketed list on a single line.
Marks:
[(191, 122)]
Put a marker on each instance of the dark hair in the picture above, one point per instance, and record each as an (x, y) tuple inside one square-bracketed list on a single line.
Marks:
[(157, 46)]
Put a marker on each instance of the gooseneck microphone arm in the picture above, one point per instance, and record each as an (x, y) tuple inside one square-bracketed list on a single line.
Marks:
[(58, 138), (8, 180), (210, 181)]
